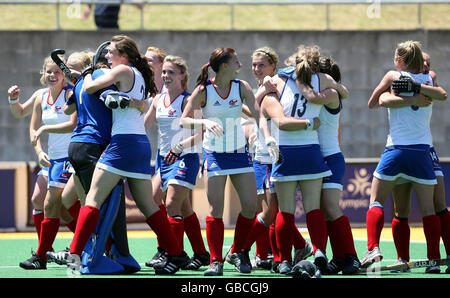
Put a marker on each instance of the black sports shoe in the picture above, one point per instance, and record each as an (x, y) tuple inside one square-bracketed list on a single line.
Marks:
[(34, 263), (173, 264), (197, 261), (351, 265), (335, 266), (156, 257), (241, 261), (275, 267), (285, 267)]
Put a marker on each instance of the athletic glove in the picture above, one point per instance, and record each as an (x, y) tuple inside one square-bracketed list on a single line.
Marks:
[(273, 149), (115, 99), (174, 154), (405, 85), (88, 70)]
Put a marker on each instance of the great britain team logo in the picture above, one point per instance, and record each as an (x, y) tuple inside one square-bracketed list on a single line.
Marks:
[(233, 103)]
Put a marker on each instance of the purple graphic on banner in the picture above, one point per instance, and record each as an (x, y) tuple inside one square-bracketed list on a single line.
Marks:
[(355, 196)]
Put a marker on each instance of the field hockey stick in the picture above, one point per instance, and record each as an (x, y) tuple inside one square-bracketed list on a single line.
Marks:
[(54, 55), (98, 53), (405, 266)]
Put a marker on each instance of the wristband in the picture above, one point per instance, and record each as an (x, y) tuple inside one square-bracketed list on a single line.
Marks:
[(309, 124), (13, 101), (177, 150), (270, 141)]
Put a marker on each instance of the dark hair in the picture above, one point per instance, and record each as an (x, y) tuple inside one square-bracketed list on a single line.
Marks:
[(329, 66), (126, 45), (217, 58)]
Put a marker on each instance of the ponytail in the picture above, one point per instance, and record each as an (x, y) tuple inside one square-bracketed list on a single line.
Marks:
[(203, 77), (148, 74), (304, 72), (307, 63), (217, 58)]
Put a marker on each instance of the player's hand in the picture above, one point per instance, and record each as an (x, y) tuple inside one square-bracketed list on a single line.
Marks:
[(422, 100), (405, 85), (214, 127), (273, 149), (36, 136), (173, 155), (14, 92), (44, 159)]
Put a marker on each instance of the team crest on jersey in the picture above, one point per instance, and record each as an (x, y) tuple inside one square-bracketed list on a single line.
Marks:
[(233, 103), (171, 112)]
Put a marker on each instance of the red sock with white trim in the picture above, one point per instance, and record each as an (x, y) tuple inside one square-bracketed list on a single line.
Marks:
[(401, 234), (214, 235), (38, 217), (374, 226)]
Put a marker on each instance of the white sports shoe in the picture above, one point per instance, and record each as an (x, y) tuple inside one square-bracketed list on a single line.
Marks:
[(401, 261), (371, 257)]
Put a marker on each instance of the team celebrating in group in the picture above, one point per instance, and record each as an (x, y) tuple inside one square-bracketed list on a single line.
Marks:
[(131, 118)]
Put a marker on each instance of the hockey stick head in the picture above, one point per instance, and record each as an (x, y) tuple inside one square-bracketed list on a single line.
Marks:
[(101, 53), (54, 55)]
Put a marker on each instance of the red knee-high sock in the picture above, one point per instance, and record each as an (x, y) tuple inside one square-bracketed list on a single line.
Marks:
[(263, 244), (333, 234), (432, 230), (257, 231), (341, 237), (86, 224), (177, 226), (374, 225), (297, 239), (444, 217), (38, 217), (283, 229), (159, 223), (241, 232), (317, 228), (273, 243), (401, 234), (49, 229), (74, 211), (194, 234), (163, 209), (214, 235)]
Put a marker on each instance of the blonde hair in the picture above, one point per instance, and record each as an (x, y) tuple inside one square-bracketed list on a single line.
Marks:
[(182, 66), (48, 60), (269, 53), (410, 53), (81, 59), (162, 54), (307, 63)]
